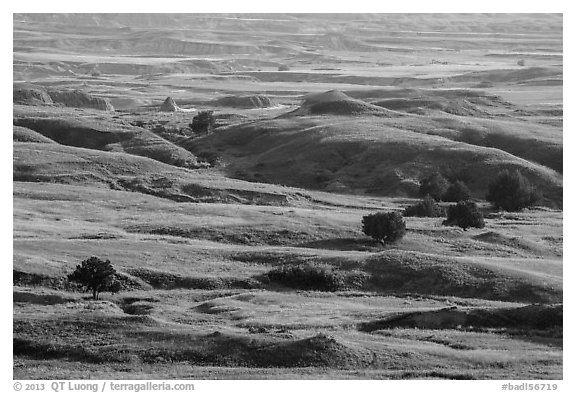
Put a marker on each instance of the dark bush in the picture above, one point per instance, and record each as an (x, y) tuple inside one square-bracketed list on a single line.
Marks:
[(425, 208), (511, 191), (434, 185), (464, 214), (203, 122), (309, 276), (384, 227), (96, 275), (138, 309), (456, 192), (283, 67)]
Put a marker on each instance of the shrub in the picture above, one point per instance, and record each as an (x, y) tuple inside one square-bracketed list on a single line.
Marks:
[(464, 214), (310, 276), (283, 67), (203, 122), (511, 191), (96, 275), (456, 192), (384, 227), (138, 309), (425, 208), (434, 185)]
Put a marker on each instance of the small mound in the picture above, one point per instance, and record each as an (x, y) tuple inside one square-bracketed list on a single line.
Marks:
[(410, 272), (317, 351), (138, 308), (335, 102), (103, 306), (23, 134), (514, 242), (245, 101), (169, 106), (214, 308), (315, 276), (25, 279), (228, 350), (44, 297), (539, 317), (328, 96), (31, 96), (166, 280), (80, 99)]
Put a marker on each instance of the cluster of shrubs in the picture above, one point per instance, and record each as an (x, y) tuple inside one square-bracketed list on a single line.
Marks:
[(203, 122), (427, 207), (509, 191), (314, 276), (440, 189), (464, 214)]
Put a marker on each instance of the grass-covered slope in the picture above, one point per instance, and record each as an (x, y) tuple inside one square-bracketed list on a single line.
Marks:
[(23, 134), (363, 154), (202, 297), (89, 130), (209, 241), (56, 163), (477, 118)]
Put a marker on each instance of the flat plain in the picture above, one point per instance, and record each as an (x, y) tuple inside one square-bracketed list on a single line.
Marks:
[(320, 120)]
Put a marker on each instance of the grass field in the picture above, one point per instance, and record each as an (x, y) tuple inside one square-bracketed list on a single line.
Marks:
[(200, 228)]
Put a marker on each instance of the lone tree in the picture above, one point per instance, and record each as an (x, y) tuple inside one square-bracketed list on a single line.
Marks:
[(425, 208), (456, 192), (96, 275), (434, 185), (203, 122), (511, 191), (464, 214), (385, 227)]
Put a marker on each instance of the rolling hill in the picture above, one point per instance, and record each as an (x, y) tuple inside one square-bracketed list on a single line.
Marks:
[(94, 132), (366, 155)]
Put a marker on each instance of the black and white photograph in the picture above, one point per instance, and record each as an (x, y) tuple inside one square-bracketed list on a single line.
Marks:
[(287, 196)]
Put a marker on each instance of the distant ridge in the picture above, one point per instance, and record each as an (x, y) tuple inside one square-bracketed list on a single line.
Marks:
[(80, 99), (38, 95)]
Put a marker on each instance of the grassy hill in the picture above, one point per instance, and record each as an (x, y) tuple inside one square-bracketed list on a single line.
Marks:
[(335, 102), (121, 171), (370, 155), (93, 131)]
